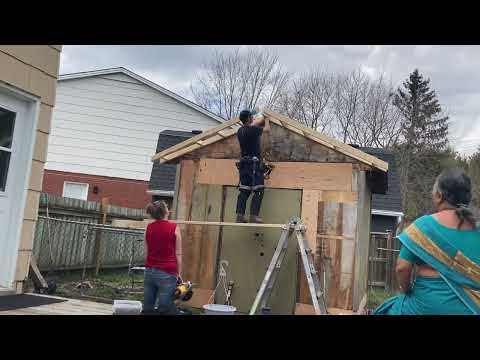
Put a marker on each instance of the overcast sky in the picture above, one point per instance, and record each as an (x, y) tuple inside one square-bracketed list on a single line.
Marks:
[(454, 71)]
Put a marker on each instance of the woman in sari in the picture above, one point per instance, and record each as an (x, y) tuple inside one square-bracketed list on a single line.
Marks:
[(445, 247)]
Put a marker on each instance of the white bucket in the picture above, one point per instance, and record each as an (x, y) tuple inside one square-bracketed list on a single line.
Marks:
[(127, 307), (217, 309)]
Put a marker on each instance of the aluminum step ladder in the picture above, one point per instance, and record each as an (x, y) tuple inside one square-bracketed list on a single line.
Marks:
[(296, 226)]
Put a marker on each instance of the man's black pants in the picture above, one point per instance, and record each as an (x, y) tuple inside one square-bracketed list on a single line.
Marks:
[(251, 180)]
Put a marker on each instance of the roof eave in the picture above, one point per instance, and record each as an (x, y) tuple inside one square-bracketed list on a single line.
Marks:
[(147, 82)]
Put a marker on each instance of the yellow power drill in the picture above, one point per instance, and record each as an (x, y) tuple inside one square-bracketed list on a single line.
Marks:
[(183, 291)]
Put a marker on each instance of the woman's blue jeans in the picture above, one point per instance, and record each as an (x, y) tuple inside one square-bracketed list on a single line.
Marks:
[(159, 292)]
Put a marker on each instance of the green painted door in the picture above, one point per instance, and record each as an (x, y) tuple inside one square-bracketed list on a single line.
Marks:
[(250, 250)]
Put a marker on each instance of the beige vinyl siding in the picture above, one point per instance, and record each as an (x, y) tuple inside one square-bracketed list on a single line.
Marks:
[(33, 69)]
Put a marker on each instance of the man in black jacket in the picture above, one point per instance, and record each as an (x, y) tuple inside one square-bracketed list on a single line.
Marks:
[(251, 168)]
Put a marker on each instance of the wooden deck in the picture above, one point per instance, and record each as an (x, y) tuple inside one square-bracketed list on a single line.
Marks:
[(69, 307)]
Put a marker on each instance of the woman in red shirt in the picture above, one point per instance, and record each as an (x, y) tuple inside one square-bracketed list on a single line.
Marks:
[(163, 261)]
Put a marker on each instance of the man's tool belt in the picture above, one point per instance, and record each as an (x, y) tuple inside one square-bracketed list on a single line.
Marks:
[(266, 169)]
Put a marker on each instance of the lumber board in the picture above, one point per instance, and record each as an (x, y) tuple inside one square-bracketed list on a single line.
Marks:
[(173, 149), (307, 309), (35, 274), (211, 237), (339, 196), (309, 215), (286, 175), (139, 224)]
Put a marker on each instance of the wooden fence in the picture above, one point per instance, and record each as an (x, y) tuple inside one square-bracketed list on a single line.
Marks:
[(383, 254)]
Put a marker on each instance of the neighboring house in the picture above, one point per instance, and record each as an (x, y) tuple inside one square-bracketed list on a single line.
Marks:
[(162, 179), (104, 131), (386, 209), (28, 78)]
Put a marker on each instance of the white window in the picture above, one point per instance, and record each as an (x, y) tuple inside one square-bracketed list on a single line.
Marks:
[(75, 190)]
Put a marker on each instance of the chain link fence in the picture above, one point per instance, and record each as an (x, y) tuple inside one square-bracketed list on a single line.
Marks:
[(89, 259)]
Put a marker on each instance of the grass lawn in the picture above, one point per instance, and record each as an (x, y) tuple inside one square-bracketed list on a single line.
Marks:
[(108, 285)]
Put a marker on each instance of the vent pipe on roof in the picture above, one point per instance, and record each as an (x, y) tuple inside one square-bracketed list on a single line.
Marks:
[(196, 132)]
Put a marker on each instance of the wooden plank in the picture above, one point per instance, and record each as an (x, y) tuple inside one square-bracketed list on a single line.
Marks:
[(35, 274), (338, 196), (348, 249), (287, 175), (361, 265), (307, 309), (304, 309), (210, 239), (135, 224), (309, 215), (175, 194), (188, 232), (173, 149)]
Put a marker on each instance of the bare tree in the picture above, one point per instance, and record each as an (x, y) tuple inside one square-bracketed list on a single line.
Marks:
[(232, 81), (378, 122), (347, 100), (308, 98)]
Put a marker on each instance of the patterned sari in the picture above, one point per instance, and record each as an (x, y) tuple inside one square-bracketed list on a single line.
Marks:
[(457, 290)]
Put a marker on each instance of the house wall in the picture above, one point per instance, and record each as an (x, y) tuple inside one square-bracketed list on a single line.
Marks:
[(33, 69), (121, 192), (108, 126)]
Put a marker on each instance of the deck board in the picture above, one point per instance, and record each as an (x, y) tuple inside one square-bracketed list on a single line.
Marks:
[(69, 307)]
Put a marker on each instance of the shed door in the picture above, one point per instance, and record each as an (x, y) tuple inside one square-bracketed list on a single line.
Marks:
[(250, 250), (16, 133)]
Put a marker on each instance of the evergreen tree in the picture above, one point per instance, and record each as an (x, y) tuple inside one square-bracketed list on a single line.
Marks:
[(423, 146)]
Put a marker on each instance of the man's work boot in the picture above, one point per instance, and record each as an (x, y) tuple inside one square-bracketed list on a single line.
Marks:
[(256, 219), (241, 218)]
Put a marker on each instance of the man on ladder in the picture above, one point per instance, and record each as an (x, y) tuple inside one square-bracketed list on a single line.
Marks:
[(251, 167)]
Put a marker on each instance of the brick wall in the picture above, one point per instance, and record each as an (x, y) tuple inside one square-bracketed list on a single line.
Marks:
[(122, 192)]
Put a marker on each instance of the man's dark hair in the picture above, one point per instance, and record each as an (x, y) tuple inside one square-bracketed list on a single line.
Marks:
[(245, 115)]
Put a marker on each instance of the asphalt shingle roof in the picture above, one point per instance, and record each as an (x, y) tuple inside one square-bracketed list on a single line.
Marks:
[(163, 175)]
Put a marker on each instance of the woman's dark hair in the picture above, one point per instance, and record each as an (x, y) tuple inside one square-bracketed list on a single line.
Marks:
[(157, 209), (456, 189)]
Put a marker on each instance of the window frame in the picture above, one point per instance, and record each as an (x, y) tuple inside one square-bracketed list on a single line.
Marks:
[(76, 183), (10, 149)]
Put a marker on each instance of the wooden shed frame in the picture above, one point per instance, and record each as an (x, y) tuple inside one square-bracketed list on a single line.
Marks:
[(336, 181)]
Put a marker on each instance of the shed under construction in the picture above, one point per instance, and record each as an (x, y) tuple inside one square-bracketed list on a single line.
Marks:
[(326, 183)]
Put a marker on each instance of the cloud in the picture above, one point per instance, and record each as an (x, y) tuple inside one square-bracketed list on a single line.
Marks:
[(453, 70)]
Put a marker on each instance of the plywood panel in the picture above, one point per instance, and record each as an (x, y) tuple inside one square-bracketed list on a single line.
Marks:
[(286, 175), (249, 251)]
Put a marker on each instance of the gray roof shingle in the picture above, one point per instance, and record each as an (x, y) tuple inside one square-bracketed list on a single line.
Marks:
[(163, 175)]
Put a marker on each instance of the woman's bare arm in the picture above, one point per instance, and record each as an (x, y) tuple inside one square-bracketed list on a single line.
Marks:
[(404, 274), (178, 250)]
